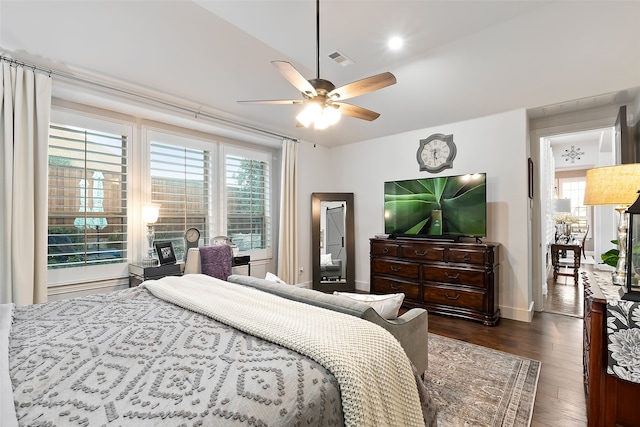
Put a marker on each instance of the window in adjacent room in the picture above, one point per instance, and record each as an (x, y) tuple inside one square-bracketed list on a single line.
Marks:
[(87, 196), (573, 189)]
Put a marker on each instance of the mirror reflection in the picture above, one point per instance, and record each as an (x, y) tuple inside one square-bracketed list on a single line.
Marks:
[(333, 253), (332, 242)]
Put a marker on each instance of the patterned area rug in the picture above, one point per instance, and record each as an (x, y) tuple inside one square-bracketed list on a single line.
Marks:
[(478, 386)]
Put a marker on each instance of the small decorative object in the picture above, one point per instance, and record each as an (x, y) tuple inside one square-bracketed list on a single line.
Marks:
[(618, 186), (564, 221), (224, 240), (165, 253), (633, 255), (191, 240), (150, 213), (436, 153)]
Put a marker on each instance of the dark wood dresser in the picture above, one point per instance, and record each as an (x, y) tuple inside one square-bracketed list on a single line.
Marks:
[(456, 279), (611, 401)]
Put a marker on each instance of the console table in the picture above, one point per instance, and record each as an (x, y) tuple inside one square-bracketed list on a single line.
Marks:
[(611, 401), (556, 250), (455, 279)]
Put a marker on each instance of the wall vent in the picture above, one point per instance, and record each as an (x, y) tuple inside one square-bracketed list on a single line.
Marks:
[(341, 58)]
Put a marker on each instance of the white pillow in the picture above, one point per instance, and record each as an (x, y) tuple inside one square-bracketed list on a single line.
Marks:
[(325, 259), (273, 278), (387, 306)]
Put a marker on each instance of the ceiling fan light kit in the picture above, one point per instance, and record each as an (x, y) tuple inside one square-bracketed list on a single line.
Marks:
[(323, 106), (320, 116)]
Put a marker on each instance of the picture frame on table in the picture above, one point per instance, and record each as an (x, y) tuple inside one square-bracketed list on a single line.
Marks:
[(166, 254)]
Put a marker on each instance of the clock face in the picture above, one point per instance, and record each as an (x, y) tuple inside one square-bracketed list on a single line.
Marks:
[(436, 153), (192, 235)]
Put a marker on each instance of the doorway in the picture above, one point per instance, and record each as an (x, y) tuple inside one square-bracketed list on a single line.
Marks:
[(569, 156)]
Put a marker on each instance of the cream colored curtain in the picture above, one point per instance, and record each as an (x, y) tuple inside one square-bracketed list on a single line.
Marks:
[(288, 241), (25, 111)]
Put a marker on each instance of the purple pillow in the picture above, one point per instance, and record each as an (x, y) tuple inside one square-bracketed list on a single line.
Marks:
[(216, 261)]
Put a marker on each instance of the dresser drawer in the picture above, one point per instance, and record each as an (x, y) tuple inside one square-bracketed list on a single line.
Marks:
[(422, 252), (384, 249), (469, 299), (468, 256), (383, 285), (396, 268), (460, 276)]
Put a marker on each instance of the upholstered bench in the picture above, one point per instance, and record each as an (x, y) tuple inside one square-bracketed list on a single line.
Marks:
[(410, 329)]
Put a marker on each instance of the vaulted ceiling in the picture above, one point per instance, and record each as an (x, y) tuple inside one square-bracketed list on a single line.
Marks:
[(460, 60)]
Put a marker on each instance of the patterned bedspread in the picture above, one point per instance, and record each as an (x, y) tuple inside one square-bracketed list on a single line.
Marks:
[(129, 358)]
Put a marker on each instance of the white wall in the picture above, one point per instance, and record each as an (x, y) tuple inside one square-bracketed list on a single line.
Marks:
[(494, 144), (317, 173)]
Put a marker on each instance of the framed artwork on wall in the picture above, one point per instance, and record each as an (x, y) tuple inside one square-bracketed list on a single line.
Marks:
[(530, 176)]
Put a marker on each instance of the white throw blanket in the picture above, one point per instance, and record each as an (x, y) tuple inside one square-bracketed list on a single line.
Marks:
[(375, 376)]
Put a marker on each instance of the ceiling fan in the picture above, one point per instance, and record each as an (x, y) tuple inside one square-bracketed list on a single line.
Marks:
[(322, 98)]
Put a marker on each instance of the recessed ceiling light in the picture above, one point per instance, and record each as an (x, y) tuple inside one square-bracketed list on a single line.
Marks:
[(395, 43)]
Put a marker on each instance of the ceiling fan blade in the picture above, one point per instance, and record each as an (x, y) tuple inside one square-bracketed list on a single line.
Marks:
[(357, 112), (275, 101), (363, 86), (295, 78)]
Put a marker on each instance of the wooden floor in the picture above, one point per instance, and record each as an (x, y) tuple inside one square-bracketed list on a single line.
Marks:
[(553, 339)]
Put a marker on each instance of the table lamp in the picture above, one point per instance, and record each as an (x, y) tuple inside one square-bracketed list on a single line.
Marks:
[(616, 186), (150, 213), (563, 229)]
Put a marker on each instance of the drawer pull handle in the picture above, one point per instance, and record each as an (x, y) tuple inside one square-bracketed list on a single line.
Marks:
[(385, 251), (395, 288), (421, 253), (395, 269), (455, 276), (446, 294), (466, 257)]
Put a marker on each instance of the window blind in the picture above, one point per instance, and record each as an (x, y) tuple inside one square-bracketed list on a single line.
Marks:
[(247, 201), (180, 182), (87, 197)]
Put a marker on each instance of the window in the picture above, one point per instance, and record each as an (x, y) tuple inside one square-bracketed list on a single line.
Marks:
[(87, 197), (181, 183), (247, 199), (573, 189)]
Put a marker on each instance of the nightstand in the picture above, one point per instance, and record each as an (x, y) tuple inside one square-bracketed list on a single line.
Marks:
[(241, 265), (139, 273)]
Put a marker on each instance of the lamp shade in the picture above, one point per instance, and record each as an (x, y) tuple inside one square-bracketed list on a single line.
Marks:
[(613, 185), (150, 212), (561, 205)]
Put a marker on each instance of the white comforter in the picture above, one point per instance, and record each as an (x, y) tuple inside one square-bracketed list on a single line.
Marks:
[(375, 376)]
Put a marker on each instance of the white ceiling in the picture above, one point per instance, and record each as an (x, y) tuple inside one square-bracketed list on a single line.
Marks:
[(461, 60)]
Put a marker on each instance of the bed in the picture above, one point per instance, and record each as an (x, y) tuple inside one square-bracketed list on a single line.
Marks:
[(195, 350)]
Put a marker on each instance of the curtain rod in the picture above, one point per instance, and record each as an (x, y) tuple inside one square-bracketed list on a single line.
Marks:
[(196, 113)]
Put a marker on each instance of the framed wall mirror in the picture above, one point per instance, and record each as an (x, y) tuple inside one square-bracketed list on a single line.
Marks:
[(332, 242)]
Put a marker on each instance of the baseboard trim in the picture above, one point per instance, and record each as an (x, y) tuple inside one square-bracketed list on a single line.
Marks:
[(517, 313)]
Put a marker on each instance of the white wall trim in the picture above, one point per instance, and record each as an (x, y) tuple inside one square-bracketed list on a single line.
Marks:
[(514, 313), (61, 292)]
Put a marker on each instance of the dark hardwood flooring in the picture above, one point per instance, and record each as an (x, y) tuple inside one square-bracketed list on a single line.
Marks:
[(553, 339)]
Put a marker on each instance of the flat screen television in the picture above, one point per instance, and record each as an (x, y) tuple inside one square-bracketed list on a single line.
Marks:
[(448, 207)]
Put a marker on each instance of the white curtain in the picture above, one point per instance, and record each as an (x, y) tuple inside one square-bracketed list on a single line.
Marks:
[(288, 241), (25, 111)]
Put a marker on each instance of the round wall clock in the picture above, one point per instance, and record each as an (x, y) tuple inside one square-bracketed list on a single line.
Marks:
[(436, 153), (191, 240)]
